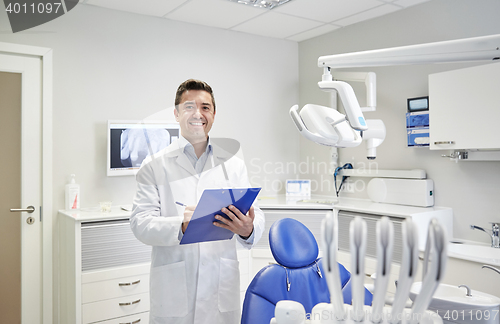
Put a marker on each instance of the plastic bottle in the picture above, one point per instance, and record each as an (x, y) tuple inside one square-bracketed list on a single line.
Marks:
[(72, 196)]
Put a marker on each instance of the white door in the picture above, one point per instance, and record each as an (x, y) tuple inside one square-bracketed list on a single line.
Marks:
[(21, 173)]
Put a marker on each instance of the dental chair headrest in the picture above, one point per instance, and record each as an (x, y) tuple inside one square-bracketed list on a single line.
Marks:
[(292, 243)]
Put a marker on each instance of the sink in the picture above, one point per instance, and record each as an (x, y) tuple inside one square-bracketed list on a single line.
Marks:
[(474, 252), (452, 304)]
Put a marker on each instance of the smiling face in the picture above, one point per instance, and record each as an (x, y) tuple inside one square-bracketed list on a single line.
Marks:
[(195, 115)]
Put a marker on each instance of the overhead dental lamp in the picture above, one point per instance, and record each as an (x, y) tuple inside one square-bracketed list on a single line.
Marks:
[(327, 126)]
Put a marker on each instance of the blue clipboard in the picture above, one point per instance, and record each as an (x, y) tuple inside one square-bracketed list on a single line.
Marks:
[(201, 227)]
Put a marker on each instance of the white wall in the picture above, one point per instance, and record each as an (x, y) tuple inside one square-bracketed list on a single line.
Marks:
[(470, 188), (116, 65)]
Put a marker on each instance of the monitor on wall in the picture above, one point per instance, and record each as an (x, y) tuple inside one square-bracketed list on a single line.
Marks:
[(130, 142)]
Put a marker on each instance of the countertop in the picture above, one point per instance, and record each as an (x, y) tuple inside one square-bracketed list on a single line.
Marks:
[(280, 202), (95, 214), (350, 204)]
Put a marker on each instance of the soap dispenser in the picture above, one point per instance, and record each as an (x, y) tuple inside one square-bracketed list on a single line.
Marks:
[(72, 197)]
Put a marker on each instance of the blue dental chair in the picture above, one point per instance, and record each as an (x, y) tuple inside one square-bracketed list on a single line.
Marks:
[(298, 275)]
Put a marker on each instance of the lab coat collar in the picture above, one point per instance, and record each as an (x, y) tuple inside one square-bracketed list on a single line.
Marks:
[(217, 154), (176, 149), (183, 142)]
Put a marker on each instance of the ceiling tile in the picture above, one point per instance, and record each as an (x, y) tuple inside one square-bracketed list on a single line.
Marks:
[(274, 24), (296, 20), (409, 3), (215, 13), (326, 10), (156, 8), (313, 33), (367, 15)]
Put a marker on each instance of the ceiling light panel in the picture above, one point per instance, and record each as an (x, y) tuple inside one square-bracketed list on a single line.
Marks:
[(266, 4), (409, 3), (214, 13)]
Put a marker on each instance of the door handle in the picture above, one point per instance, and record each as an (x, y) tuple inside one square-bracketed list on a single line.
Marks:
[(30, 209)]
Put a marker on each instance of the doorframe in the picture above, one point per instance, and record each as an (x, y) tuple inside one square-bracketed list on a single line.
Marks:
[(45, 54)]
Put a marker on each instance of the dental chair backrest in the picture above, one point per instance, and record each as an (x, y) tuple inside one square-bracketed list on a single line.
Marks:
[(298, 276)]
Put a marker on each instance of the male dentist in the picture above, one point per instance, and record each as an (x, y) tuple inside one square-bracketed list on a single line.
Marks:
[(192, 283)]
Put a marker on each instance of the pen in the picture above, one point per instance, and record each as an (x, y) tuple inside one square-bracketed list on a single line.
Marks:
[(180, 204)]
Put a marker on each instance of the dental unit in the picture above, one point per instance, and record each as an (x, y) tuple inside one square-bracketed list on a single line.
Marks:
[(327, 126), (435, 258)]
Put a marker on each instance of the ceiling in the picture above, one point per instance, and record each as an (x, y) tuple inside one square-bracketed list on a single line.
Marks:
[(296, 20)]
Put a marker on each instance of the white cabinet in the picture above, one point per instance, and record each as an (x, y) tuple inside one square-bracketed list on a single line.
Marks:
[(104, 269), (465, 108)]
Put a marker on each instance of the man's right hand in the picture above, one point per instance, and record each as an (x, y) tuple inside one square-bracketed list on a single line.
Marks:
[(188, 213)]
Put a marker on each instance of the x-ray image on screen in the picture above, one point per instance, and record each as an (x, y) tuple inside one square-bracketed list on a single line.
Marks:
[(131, 142)]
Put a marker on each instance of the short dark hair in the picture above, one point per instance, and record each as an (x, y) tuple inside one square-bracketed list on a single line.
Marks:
[(192, 84)]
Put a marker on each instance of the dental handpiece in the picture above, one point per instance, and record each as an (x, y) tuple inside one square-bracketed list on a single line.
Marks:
[(408, 270), (358, 231), (385, 245), (329, 228)]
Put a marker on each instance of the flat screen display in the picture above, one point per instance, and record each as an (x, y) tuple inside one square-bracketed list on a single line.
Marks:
[(130, 142), (418, 104)]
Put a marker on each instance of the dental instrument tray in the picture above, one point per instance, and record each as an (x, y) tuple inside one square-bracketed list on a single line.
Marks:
[(201, 227)]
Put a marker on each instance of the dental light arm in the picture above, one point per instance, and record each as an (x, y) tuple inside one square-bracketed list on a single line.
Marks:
[(370, 81), (460, 50), (348, 98)]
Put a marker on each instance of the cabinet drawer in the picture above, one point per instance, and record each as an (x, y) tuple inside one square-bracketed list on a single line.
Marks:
[(114, 288), (142, 318), (108, 244), (113, 308)]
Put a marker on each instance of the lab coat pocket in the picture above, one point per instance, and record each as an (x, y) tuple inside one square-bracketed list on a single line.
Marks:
[(229, 285), (169, 290)]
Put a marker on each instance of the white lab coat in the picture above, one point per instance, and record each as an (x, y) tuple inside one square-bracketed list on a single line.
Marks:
[(193, 283)]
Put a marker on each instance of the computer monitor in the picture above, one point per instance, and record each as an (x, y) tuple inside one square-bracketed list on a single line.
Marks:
[(131, 141)]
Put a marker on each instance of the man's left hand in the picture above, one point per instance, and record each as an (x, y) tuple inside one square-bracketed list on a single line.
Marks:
[(238, 222)]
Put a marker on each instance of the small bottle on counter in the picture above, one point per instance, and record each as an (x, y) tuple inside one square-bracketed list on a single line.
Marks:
[(72, 197)]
